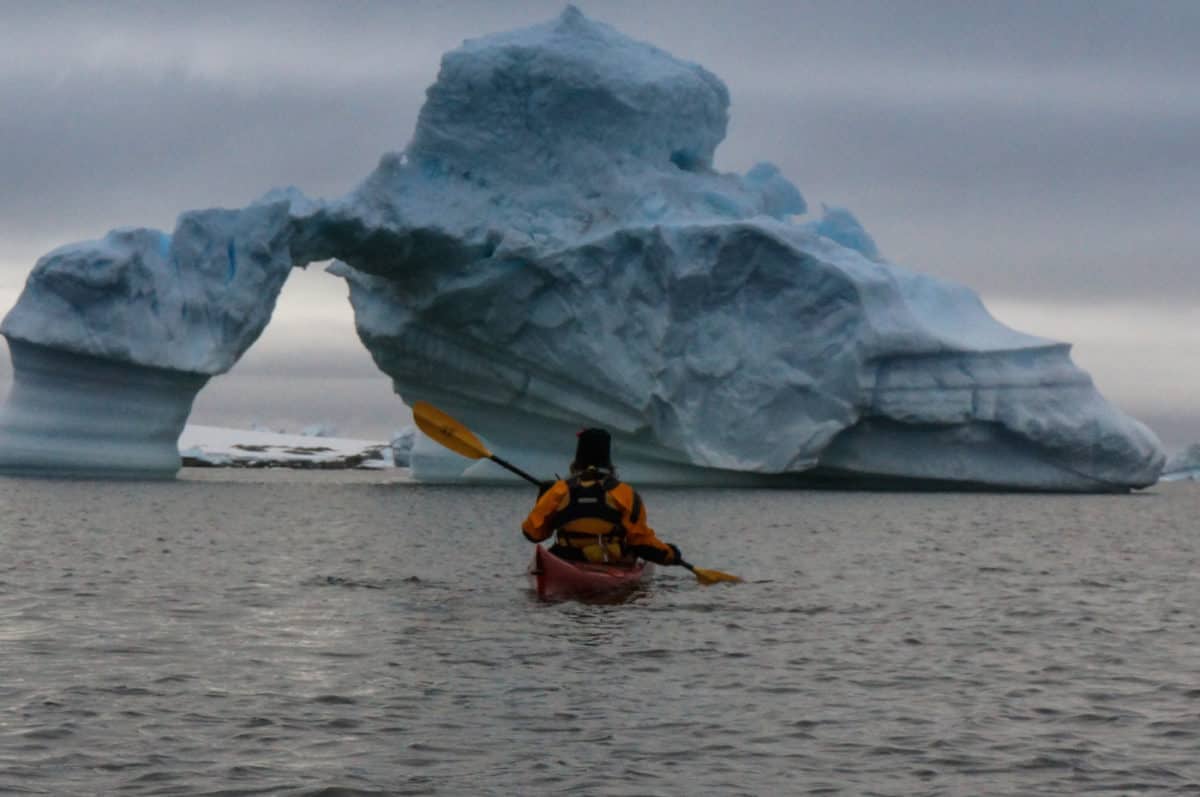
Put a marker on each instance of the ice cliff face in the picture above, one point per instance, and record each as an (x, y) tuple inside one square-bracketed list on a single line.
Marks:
[(555, 249)]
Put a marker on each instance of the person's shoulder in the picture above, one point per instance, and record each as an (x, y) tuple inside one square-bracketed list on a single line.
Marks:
[(628, 499), (623, 490)]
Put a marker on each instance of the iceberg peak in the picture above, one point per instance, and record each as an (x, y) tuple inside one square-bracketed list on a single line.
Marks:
[(558, 99)]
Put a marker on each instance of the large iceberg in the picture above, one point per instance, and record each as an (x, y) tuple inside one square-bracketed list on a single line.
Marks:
[(554, 248)]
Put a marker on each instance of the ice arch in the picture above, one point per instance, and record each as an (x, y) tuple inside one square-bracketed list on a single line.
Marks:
[(554, 248)]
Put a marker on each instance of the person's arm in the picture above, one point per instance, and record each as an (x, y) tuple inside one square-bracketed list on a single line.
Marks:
[(540, 523), (640, 539)]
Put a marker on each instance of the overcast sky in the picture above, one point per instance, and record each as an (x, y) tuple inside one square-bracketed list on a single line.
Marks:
[(1045, 153)]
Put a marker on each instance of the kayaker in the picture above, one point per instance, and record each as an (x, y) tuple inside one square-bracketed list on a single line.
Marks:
[(594, 516)]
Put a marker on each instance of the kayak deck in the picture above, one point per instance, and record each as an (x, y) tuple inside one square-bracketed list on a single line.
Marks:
[(557, 579)]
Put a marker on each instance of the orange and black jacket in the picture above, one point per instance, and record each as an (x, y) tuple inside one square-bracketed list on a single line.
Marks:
[(594, 510)]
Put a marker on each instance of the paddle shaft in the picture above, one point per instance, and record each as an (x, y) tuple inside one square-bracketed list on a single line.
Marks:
[(508, 465)]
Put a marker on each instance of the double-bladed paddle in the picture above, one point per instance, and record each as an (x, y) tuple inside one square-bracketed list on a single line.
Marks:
[(442, 429)]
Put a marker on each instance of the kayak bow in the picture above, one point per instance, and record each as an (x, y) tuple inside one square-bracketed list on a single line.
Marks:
[(557, 579)]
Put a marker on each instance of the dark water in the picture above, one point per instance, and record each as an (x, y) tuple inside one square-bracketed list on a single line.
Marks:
[(330, 634)]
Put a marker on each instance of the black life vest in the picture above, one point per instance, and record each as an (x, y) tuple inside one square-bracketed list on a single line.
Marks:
[(589, 523)]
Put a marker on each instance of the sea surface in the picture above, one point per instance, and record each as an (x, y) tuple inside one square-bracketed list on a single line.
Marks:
[(342, 633)]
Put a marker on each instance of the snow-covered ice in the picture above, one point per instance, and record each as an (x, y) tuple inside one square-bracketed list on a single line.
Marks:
[(222, 447), (555, 249)]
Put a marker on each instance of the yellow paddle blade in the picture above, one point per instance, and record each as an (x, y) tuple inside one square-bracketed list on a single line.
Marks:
[(705, 576), (441, 428)]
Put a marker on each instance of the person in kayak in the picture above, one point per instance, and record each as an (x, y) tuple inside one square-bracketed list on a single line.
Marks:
[(594, 516)]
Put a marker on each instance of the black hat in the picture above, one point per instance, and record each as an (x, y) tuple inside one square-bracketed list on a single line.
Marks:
[(593, 449)]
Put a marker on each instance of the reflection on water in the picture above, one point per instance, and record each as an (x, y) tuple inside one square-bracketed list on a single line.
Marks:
[(337, 633)]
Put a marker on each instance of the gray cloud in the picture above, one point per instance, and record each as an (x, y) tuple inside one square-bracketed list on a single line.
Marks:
[(1047, 130), (1017, 204), (1031, 150), (88, 154)]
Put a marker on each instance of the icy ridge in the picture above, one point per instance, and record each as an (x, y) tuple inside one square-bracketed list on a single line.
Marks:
[(192, 301)]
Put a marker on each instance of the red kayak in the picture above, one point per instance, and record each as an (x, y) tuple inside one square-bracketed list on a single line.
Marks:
[(557, 579)]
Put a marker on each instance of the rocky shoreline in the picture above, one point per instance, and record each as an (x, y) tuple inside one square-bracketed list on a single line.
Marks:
[(256, 456)]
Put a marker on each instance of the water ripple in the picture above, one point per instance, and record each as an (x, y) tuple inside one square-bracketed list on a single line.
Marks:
[(216, 637)]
